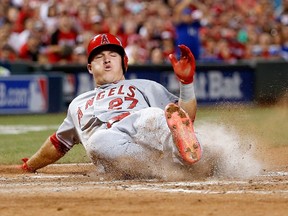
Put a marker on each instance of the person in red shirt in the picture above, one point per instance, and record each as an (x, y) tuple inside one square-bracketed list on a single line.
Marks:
[(30, 50), (62, 41), (7, 54)]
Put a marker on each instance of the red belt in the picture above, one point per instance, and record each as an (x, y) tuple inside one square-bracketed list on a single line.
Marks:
[(117, 119)]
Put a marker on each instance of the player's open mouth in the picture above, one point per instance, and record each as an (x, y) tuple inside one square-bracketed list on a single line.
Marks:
[(107, 68)]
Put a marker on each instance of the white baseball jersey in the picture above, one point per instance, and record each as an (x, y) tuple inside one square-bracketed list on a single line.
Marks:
[(90, 111)]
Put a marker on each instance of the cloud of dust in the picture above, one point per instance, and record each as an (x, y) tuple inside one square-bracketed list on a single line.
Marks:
[(226, 153)]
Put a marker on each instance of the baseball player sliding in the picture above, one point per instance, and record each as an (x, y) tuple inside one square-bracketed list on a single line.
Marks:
[(124, 124)]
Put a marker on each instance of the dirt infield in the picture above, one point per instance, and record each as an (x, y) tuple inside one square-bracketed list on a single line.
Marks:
[(76, 189)]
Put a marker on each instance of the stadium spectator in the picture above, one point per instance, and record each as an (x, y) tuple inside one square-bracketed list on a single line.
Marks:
[(25, 12), (214, 30), (167, 44), (7, 54), (30, 50), (98, 25), (12, 17), (49, 13), (208, 50), (62, 41), (79, 55), (83, 20), (284, 47), (156, 56), (8, 36), (135, 51), (186, 17)]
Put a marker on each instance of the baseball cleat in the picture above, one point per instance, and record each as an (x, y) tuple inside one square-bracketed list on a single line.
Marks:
[(183, 133)]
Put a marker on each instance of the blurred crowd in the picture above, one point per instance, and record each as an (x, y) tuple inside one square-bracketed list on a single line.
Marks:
[(57, 31)]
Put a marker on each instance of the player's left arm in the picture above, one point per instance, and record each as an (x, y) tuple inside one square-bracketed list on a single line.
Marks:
[(47, 154), (184, 69)]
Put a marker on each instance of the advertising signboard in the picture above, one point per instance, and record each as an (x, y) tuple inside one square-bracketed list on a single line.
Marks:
[(23, 94), (211, 85)]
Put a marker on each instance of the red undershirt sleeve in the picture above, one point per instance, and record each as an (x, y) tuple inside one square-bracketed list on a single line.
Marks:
[(58, 145)]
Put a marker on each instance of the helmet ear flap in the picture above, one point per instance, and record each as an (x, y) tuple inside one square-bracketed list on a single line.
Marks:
[(125, 63)]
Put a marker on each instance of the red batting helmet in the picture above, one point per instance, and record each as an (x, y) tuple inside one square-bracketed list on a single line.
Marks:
[(102, 40)]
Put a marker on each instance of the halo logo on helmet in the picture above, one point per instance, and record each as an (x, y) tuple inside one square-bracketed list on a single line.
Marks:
[(105, 40), (102, 40)]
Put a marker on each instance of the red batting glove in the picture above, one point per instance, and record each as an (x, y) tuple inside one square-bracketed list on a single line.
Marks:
[(184, 69)]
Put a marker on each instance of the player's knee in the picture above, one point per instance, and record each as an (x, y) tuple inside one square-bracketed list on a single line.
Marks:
[(104, 143), (152, 113), (96, 142)]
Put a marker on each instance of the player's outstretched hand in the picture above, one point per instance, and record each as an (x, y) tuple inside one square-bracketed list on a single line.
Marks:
[(24, 166), (184, 69)]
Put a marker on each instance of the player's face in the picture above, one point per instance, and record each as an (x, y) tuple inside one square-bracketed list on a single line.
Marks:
[(106, 67)]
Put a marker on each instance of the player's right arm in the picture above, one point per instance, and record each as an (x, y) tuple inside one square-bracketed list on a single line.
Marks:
[(47, 154), (56, 145)]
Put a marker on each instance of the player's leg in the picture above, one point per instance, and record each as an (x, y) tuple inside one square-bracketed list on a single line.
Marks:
[(154, 129), (183, 134), (142, 142), (170, 132), (120, 155)]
